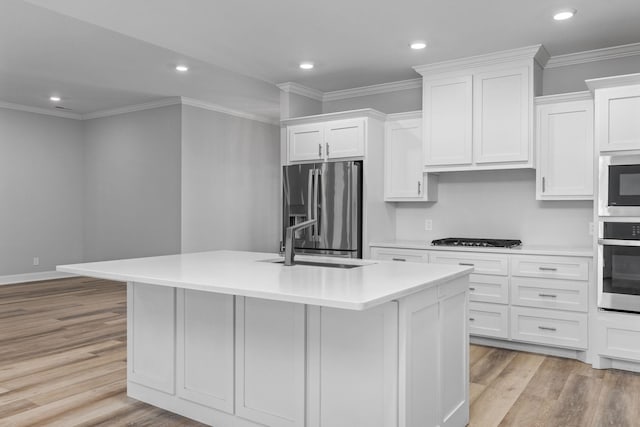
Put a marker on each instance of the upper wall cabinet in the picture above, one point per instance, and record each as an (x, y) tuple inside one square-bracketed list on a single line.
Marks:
[(478, 112), (565, 147), (404, 179), (617, 112), (328, 136)]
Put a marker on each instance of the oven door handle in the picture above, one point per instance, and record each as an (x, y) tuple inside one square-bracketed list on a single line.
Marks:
[(618, 242)]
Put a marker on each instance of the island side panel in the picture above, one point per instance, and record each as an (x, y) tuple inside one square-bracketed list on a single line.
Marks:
[(352, 367), (151, 336), (433, 357), (270, 362)]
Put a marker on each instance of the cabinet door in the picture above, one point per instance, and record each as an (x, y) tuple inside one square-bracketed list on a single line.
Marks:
[(565, 144), (404, 178), (344, 138), (306, 142), (501, 123), (617, 111), (204, 356), (447, 108), (401, 255)]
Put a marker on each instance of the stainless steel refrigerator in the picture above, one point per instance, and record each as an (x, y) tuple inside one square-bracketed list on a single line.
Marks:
[(331, 193)]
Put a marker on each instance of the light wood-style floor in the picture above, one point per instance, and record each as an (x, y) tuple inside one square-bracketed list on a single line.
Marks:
[(63, 363)]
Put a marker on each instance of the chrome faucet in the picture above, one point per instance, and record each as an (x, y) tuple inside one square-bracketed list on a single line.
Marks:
[(289, 253)]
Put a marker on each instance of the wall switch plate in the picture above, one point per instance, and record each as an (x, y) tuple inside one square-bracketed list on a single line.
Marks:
[(591, 229), (36, 260), (428, 225)]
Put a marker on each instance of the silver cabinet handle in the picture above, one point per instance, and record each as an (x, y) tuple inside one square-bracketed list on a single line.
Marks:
[(543, 184), (419, 183), (548, 295), (547, 269), (319, 150), (327, 145), (398, 259), (546, 328), (472, 289), (471, 319), (466, 263)]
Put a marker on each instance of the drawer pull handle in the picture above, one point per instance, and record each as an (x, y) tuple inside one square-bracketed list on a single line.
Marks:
[(547, 269), (466, 263), (548, 295), (546, 328), (471, 319), (472, 289), (398, 259)]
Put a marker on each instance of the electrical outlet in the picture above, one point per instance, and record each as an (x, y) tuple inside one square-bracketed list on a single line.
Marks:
[(591, 229), (36, 260), (428, 225)]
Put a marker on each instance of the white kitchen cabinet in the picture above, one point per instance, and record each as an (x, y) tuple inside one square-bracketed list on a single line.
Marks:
[(489, 320), (565, 147), (549, 327), (502, 117), (323, 141), (404, 177), (448, 108), (478, 112), (617, 108), (400, 254)]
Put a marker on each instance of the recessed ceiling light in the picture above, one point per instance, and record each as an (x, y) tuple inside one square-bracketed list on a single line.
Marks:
[(561, 15), (182, 68), (54, 98), (418, 45), (306, 65)]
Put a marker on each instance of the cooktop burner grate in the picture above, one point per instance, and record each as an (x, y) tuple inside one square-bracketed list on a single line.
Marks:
[(484, 243)]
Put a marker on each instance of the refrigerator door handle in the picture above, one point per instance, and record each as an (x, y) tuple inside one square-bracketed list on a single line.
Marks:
[(316, 227), (310, 193)]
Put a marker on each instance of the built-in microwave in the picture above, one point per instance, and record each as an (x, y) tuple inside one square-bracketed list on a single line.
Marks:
[(619, 193), (619, 266)]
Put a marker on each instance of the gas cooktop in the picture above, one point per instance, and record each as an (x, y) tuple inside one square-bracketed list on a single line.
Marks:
[(484, 243)]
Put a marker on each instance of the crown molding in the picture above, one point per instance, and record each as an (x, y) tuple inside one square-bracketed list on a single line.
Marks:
[(299, 89), (364, 112), (564, 97), (623, 51), (405, 116), (606, 82), (39, 110), (220, 109), (535, 52), (132, 108), (373, 89)]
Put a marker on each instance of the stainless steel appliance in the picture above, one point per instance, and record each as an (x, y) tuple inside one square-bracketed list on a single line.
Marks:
[(619, 185), (473, 242), (331, 193), (619, 266)]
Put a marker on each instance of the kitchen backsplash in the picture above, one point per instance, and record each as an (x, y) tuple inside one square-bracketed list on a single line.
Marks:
[(496, 204)]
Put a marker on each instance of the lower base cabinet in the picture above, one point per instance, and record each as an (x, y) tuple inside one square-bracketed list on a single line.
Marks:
[(246, 362)]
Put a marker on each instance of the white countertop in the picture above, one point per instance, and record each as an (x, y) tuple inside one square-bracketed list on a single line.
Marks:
[(243, 273), (522, 250)]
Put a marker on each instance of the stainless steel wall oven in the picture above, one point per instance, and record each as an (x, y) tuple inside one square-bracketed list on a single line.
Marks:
[(619, 185)]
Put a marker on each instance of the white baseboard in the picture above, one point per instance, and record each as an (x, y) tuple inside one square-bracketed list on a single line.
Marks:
[(33, 277)]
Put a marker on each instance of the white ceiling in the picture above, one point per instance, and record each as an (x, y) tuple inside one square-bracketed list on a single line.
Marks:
[(102, 54)]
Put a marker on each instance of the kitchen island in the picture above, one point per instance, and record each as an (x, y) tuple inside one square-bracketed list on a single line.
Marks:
[(238, 339)]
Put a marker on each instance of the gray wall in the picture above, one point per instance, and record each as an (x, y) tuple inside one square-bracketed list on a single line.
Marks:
[(496, 204), (294, 105), (41, 191), (132, 187), (230, 182)]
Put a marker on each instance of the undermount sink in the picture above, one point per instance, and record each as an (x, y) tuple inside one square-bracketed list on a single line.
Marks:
[(317, 263)]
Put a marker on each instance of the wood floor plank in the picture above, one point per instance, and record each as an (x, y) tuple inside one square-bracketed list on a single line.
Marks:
[(491, 365), (576, 405), (619, 401)]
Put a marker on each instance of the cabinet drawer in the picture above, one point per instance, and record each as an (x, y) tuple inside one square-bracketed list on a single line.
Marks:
[(487, 288), (549, 293), (482, 263), (489, 320), (549, 327), (550, 267), (618, 336), (409, 255)]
